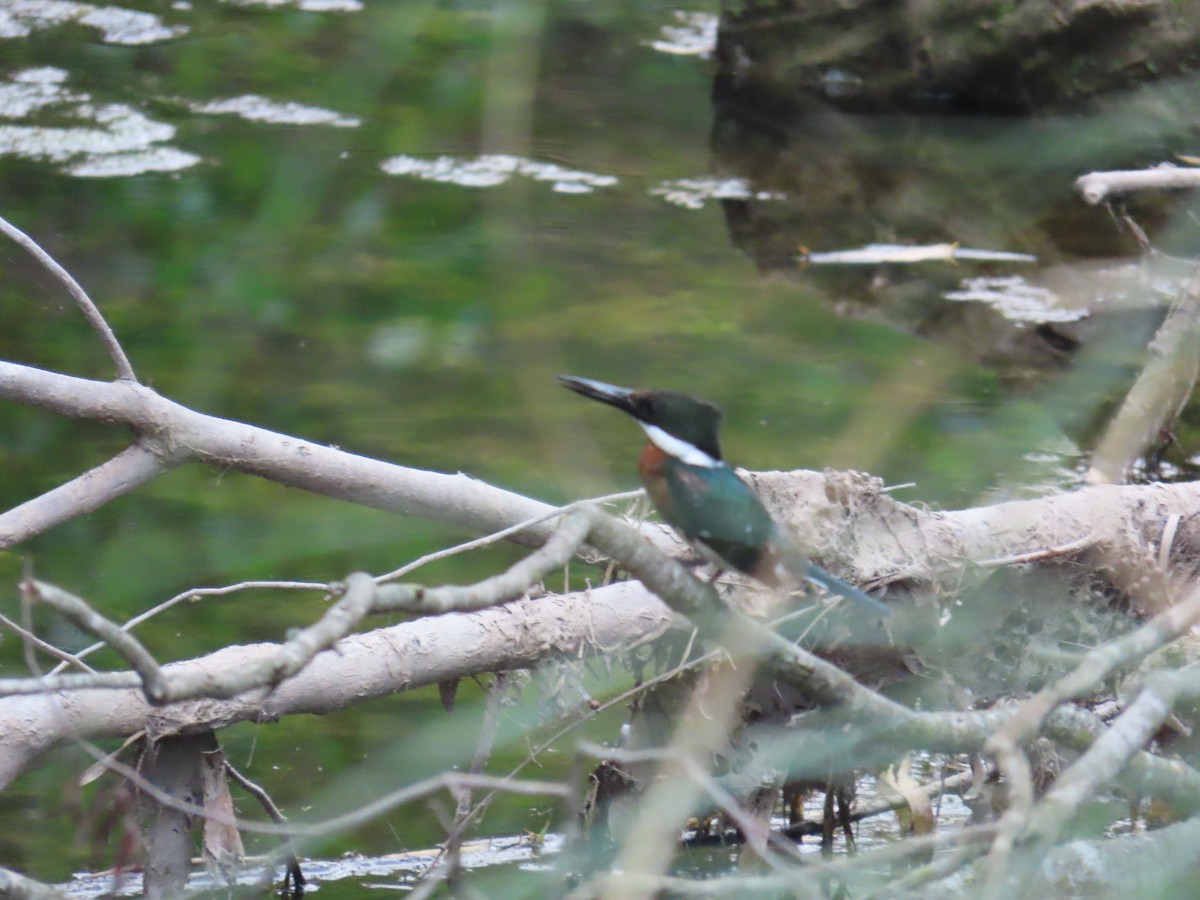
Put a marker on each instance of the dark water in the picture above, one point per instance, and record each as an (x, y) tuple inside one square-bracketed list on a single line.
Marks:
[(387, 226)]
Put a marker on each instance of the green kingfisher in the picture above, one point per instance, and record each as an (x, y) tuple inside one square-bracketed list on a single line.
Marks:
[(701, 497)]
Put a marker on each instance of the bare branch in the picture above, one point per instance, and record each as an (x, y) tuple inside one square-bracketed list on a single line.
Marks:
[(177, 434), (717, 794), (1014, 763), (365, 666), (286, 851), (1145, 774), (18, 887), (355, 605), (89, 309), (1159, 394), (896, 542), (83, 616), (1095, 666), (47, 648), (128, 470), (1076, 785), (1107, 758), (1099, 186), (451, 781), (503, 533), (562, 545), (703, 730), (88, 681), (359, 598), (194, 594), (1141, 864)]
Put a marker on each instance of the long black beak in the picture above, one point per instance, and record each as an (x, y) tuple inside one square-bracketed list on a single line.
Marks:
[(620, 397)]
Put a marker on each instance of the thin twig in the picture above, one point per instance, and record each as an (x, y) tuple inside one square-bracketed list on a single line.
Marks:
[(1018, 559), (450, 781), (73, 681), (720, 797), (563, 543), (1108, 756), (79, 613), (44, 646), (503, 533), (89, 309), (756, 833), (1014, 764), (1094, 667), (264, 799), (901, 799), (196, 593), (464, 813), (939, 868), (27, 600)]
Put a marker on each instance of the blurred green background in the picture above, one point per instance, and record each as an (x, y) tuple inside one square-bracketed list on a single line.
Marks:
[(285, 279)]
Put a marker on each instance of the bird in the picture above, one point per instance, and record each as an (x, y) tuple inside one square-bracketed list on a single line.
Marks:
[(699, 495)]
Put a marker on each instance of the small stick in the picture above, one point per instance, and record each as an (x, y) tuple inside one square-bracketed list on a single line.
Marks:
[(1099, 186), (89, 309)]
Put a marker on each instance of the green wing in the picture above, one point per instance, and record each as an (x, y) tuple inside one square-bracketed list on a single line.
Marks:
[(717, 509)]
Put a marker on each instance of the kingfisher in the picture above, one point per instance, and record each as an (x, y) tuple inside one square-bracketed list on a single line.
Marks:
[(699, 495)]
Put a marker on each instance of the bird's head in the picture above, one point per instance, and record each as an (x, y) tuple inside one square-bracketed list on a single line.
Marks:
[(677, 424)]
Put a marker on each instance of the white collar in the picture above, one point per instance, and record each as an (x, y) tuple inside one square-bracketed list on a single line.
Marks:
[(679, 448)]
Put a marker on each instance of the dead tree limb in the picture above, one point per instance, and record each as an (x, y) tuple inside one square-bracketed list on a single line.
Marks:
[(365, 666), (1096, 187)]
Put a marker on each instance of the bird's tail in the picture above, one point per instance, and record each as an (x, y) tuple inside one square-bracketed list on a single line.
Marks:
[(823, 579)]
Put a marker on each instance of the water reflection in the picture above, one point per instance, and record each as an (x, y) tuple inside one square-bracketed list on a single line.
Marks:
[(113, 139), (495, 169), (116, 25), (254, 108), (690, 34)]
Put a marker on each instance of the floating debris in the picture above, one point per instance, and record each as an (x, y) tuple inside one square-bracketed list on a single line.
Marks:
[(693, 193), (1017, 300), (254, 108), (495, 169), (693, 34), (873, 254)]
